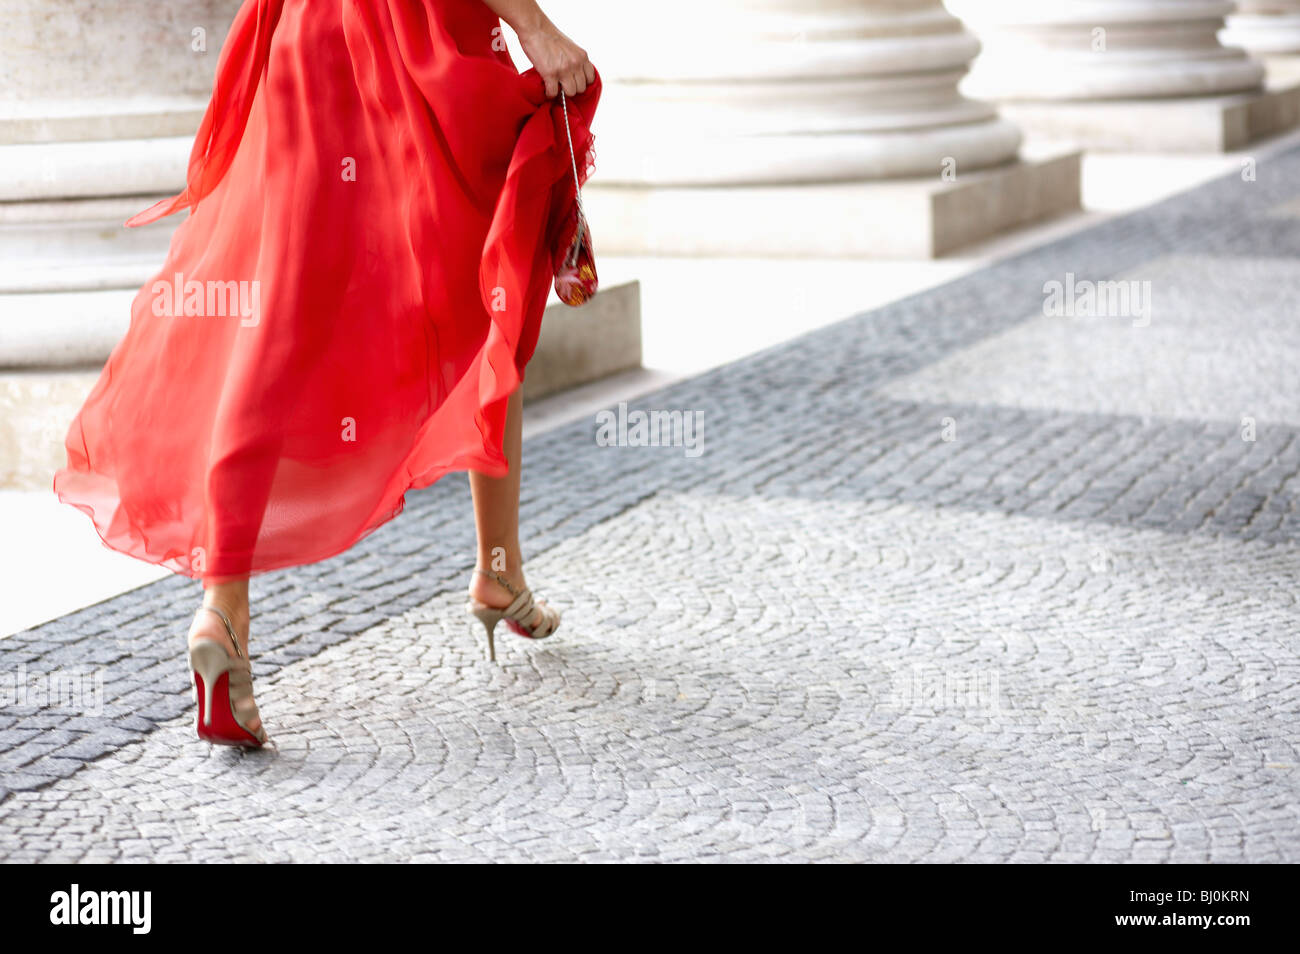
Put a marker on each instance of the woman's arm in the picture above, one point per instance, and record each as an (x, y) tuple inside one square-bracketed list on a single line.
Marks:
[(558, 60)]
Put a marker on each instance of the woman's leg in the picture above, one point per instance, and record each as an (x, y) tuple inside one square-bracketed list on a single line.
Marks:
[(239, 488), (496, 518)]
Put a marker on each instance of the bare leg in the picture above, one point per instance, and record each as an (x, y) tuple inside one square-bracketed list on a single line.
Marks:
[(496, 518)]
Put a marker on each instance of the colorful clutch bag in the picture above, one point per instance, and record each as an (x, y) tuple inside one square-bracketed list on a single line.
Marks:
[(575, 267)]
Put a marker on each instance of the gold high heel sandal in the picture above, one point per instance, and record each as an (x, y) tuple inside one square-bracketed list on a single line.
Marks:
[(517, 615), (223, 690)]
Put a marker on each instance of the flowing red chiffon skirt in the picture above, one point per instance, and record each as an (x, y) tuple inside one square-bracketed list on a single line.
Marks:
[(374, 193)]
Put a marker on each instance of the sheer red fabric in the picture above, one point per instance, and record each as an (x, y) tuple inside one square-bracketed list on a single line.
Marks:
[(374, 193)]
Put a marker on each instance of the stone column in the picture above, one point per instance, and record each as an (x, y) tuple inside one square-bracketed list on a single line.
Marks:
[(1270, 31), (788, 91), (1144, 74), (1265, 27), (99, 103), (777, 101)]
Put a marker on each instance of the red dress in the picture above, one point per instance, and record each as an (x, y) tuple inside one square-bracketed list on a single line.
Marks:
[(374, 195)]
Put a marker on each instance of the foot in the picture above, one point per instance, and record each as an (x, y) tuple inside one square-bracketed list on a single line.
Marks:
[(208, 625), (485, 589)]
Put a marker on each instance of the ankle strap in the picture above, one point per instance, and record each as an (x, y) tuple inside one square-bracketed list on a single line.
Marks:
[(500, 579), (230, 628)]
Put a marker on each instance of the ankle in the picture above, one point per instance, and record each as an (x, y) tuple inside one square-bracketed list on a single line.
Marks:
[(496, 580), (238, 612), (232, 597), (506, 562), (209, 626), (232, 600)]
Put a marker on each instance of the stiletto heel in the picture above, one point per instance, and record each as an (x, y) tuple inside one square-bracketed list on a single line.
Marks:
[(223, 690), (208, 661), (489, 618), (516, 615)]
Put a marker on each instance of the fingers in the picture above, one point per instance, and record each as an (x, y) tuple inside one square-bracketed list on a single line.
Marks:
[(582, 77), (573, 74), (583, 72)]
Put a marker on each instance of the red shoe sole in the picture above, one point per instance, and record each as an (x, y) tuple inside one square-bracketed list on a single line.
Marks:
[(519, 630), (224, 730)]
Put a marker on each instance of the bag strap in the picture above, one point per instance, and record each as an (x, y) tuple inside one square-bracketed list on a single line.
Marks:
[(577, 188)]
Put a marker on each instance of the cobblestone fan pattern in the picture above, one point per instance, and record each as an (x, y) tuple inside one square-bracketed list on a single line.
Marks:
[(951, 580), (985, 687)]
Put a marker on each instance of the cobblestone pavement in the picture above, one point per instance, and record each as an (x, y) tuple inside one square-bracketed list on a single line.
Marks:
[(953, 580)]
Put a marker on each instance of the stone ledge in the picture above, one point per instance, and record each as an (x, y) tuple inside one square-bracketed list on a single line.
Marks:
[(581, 345), (36, 408), (1196, 124), (897, 218)]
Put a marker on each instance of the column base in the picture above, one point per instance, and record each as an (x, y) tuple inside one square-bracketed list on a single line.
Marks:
[(36, 409), (1283, 68), (899, 218), (63, 207), (1195, 124), (80, 244), (62, 329), (1263, 34)]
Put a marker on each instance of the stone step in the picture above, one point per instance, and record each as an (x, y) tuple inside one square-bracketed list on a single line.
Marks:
[(897, 218), (123, 167)]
